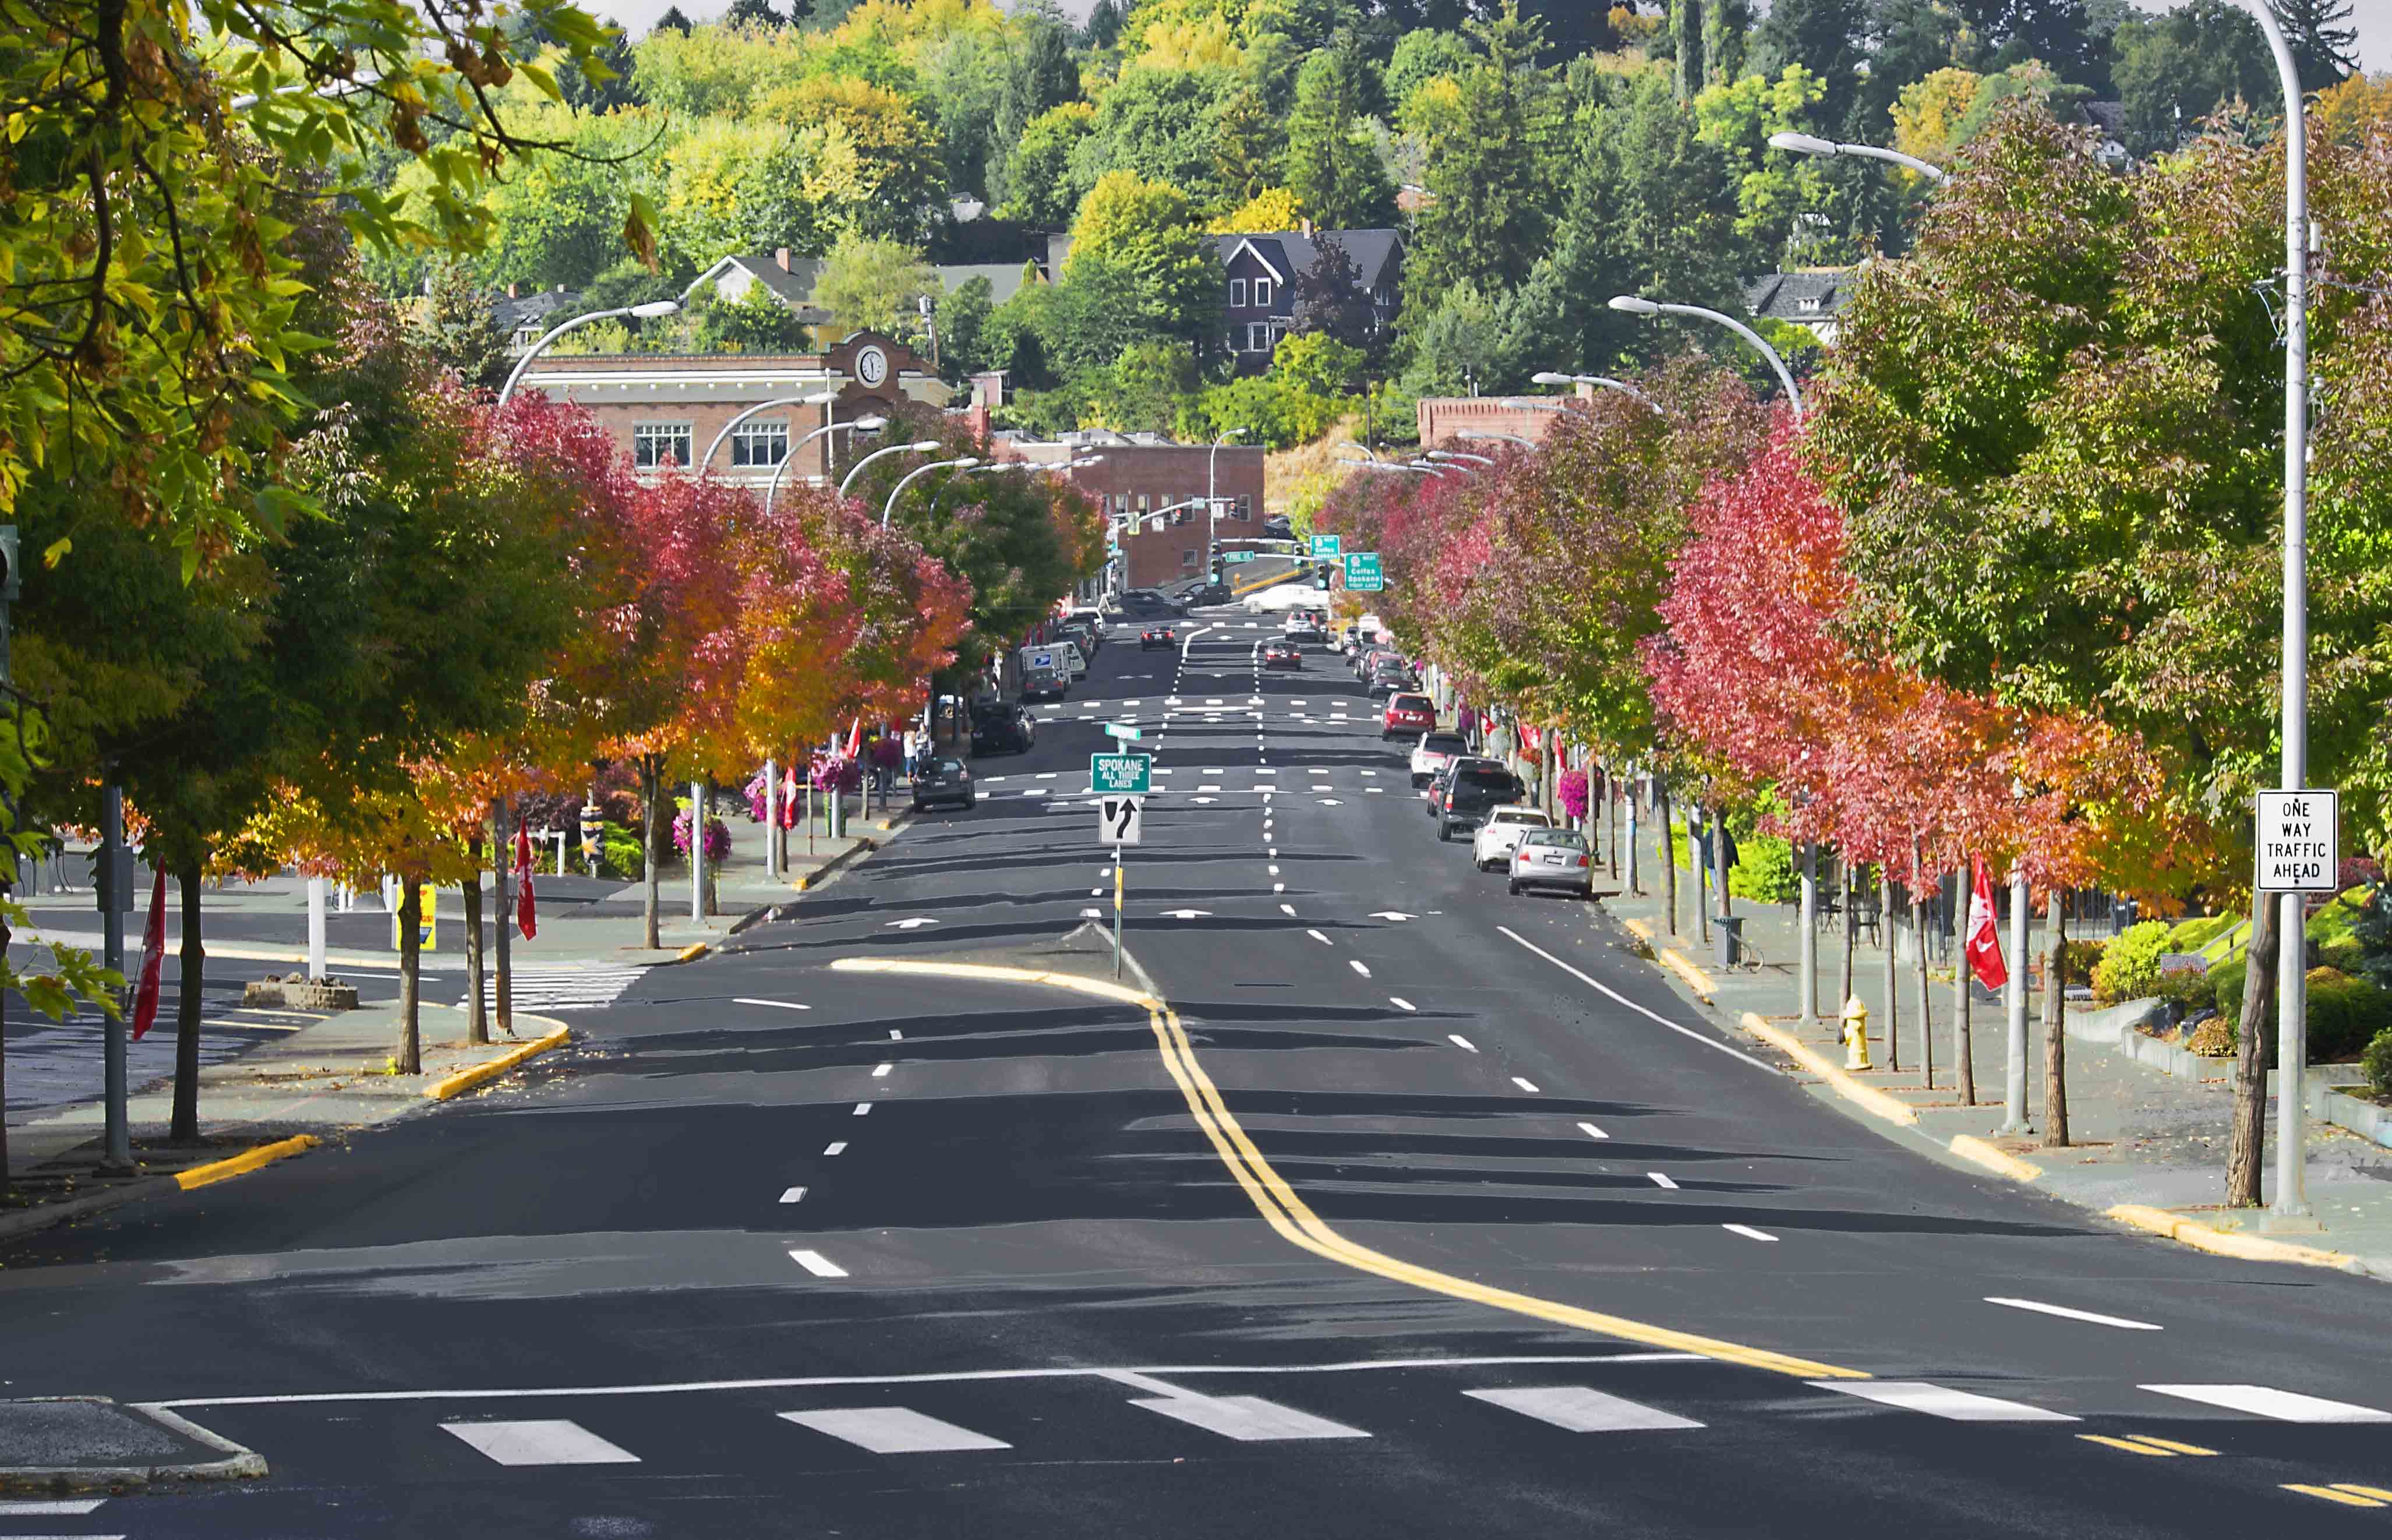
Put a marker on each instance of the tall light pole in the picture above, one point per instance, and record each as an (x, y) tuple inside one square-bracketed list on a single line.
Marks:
[(1811, 144), (1636, 305), (920, 446), (1553, 377), (966, 463), (1212, 498), (862, 424), (648, 311), (820, 397)]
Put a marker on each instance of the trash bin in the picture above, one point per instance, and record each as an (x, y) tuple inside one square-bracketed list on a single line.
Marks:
[(1729, 936)]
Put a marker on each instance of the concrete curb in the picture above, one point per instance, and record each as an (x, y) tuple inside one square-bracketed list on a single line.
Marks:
[(1969, 1147), (837, 863), (2228, 1243), (237, 1464), (1706, 988), (245, 1162), (26, 1222), (466, 1079), (1870, 1100)]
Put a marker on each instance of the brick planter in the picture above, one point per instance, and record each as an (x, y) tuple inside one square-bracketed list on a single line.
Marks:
[(297, 992)]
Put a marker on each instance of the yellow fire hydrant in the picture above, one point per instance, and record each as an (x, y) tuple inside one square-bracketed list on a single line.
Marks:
[(1856, 1034)]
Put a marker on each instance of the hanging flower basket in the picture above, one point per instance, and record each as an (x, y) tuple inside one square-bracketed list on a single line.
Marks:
[(1571, 789), (718, 837)]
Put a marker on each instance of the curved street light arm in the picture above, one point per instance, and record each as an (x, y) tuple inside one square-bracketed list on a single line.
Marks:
[(862, 424), (1811, 144), (921, 446), (1637, 306), (653, 308), (916, 475)]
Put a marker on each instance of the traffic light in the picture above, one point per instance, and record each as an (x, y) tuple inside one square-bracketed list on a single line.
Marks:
[(9, 585)]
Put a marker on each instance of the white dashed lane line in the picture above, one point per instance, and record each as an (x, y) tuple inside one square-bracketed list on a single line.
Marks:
[(1401, 1003), (791, 1194), (1529, 1086), (1662, 1179), (1458, 1041), (1748, 1233), (836, 1146), (1319, 937), (1592, 1132), (817, 1264)]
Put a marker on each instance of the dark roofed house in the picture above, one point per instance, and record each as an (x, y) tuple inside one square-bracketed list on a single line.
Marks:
[(1262, 268), (789, 279), (1809, 297), (522, 316)]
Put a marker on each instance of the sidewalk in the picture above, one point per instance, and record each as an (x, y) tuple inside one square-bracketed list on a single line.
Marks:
[(2140, 1137)]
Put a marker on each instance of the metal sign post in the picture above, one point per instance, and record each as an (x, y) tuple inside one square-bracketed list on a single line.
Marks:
[(1119, 823), (2298, 854)]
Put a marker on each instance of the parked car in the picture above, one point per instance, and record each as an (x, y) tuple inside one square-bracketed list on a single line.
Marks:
[(1282, 655), (1405, 715), (1433, 752), (1003, 730), (1553, 859), (1082, 636), (944, 780), (1472, 788), (1074, 656), (1045, 682), (1392, 679), (1157, 637), (1371, 659), (1492, 846)]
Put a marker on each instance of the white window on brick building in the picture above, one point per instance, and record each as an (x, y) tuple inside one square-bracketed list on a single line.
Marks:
[(759, 443), (654, 444)]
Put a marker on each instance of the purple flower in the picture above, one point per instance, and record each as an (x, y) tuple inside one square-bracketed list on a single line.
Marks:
[(718, 837)]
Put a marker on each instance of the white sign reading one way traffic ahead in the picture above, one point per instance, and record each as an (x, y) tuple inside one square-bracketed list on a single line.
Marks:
[(1118, 820), (2296, 841)]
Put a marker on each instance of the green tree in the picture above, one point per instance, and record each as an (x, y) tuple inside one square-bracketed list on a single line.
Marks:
[(1250, 147), (2324, 43), (454, 323), (1137, 249), (964, 329), (1160, 124), (1331, 166), (1421, 56), (2173, 70), (1039, 74), (1490, 216), (870, 283), (1142, 391), (1455, 350), (1825, 37), (740, 186), (1039, 187), (755, 322)]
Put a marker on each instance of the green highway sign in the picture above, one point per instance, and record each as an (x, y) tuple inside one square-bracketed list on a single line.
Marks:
[(1362, 573), (1120, 773), (1328, 545)]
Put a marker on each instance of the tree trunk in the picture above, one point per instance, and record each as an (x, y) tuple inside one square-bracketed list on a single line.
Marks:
[(477, 1016), (501, 888), (1611, 807), (652, 779), (410, 1057), (1918, 934), (1851, 874), (184, 1124), (1699, 862), (2055, 1030), (2247, 1145), (1887, 912), (1963, 1051), (1669, 850), (1720, 861)]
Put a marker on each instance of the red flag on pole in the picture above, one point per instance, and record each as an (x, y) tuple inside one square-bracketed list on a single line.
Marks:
[(526, 907), (153, 959), (789, 790), (1984, 937)]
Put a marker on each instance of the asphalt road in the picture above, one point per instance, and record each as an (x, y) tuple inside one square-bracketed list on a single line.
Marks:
[(1424, 1210)]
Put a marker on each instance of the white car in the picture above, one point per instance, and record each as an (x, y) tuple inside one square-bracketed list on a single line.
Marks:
[(1499, 835), (1553, 859), (1433, 752), (1281, 597)]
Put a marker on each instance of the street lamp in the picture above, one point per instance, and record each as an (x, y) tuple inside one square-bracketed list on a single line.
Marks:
[(1212, 503), (1811, 144), (1636, 305), (1457, 454), (1552, 377), (966, 463), (1389, 465), (1366, 448), (862, 424), (1479, 435), (648, 311), (818, 398), (922, 447)]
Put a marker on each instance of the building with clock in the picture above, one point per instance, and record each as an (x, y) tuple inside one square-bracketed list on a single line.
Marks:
[(667, 411)]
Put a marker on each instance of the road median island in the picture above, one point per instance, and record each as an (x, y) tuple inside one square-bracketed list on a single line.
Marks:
[(60, 1444)]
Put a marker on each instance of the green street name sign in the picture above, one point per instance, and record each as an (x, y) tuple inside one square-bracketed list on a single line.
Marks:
[(1328, 545), (1362, 573), (1236, 555), (1120, 773)]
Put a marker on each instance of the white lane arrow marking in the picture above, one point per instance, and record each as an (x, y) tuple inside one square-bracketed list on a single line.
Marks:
[(914, 924)]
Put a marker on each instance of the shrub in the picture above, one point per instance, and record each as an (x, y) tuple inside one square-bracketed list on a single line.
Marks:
[(2188, 992), (2345, 1015), (2129, 969), (620, 856), (2192, 935), (2080, 959), (1765, 870), (2377, 1062), (2213, 1039)]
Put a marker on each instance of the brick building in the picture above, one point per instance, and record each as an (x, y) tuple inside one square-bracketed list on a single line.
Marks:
[(1444, 418), (664, 410), (1142, 474)]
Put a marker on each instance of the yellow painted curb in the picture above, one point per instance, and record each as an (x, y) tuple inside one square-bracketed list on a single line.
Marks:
[(466, 1079), (1877, 1103), (2224, 1243), (245, 1162), (1293, 1219), (695, 949), (1677, 962), (1969, 1147)]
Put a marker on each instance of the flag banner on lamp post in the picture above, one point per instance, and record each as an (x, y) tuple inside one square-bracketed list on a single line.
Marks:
[(153, 959), (527, 907), (1985, 939)]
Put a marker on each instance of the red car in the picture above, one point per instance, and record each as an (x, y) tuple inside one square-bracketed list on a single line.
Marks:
[(1406, 714), (1282, 655)]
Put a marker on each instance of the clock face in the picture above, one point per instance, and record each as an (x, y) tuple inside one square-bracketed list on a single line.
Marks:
[(871, 366)]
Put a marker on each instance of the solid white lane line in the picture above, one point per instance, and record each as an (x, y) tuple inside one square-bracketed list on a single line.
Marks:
[(2042, 1308), (1748, 1233), (1401, 1003), (1529, 1086), (1248, 1419), (1592, 1132), (1662, 1179), (52, 1505), (1356, 964), (837, 1146), (1319, 937), (878, 1071), (2264, 1402), (864, 1109), (791, 1194), (1579, 1410), (1606, 990), (780, 1005), (545, 1442), (1914, 1395), (892, 1431), (817, 1264)]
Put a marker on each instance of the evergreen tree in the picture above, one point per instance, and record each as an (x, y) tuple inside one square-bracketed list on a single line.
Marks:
[(1248, 145), (2323, 42), (2175, 70), (1104, 28), (1039, 72), (1488, 218), (752, 13), (1824, 36), (1686, 36), (1332, 170), (674, 18), (456, 326)]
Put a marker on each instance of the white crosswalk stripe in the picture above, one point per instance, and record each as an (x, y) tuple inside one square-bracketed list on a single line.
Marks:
[(1581, 1410), (564, 987), (894, 1430), (2262, 1402), (1248, 1419), (1936, 1401), (544, 1442)]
